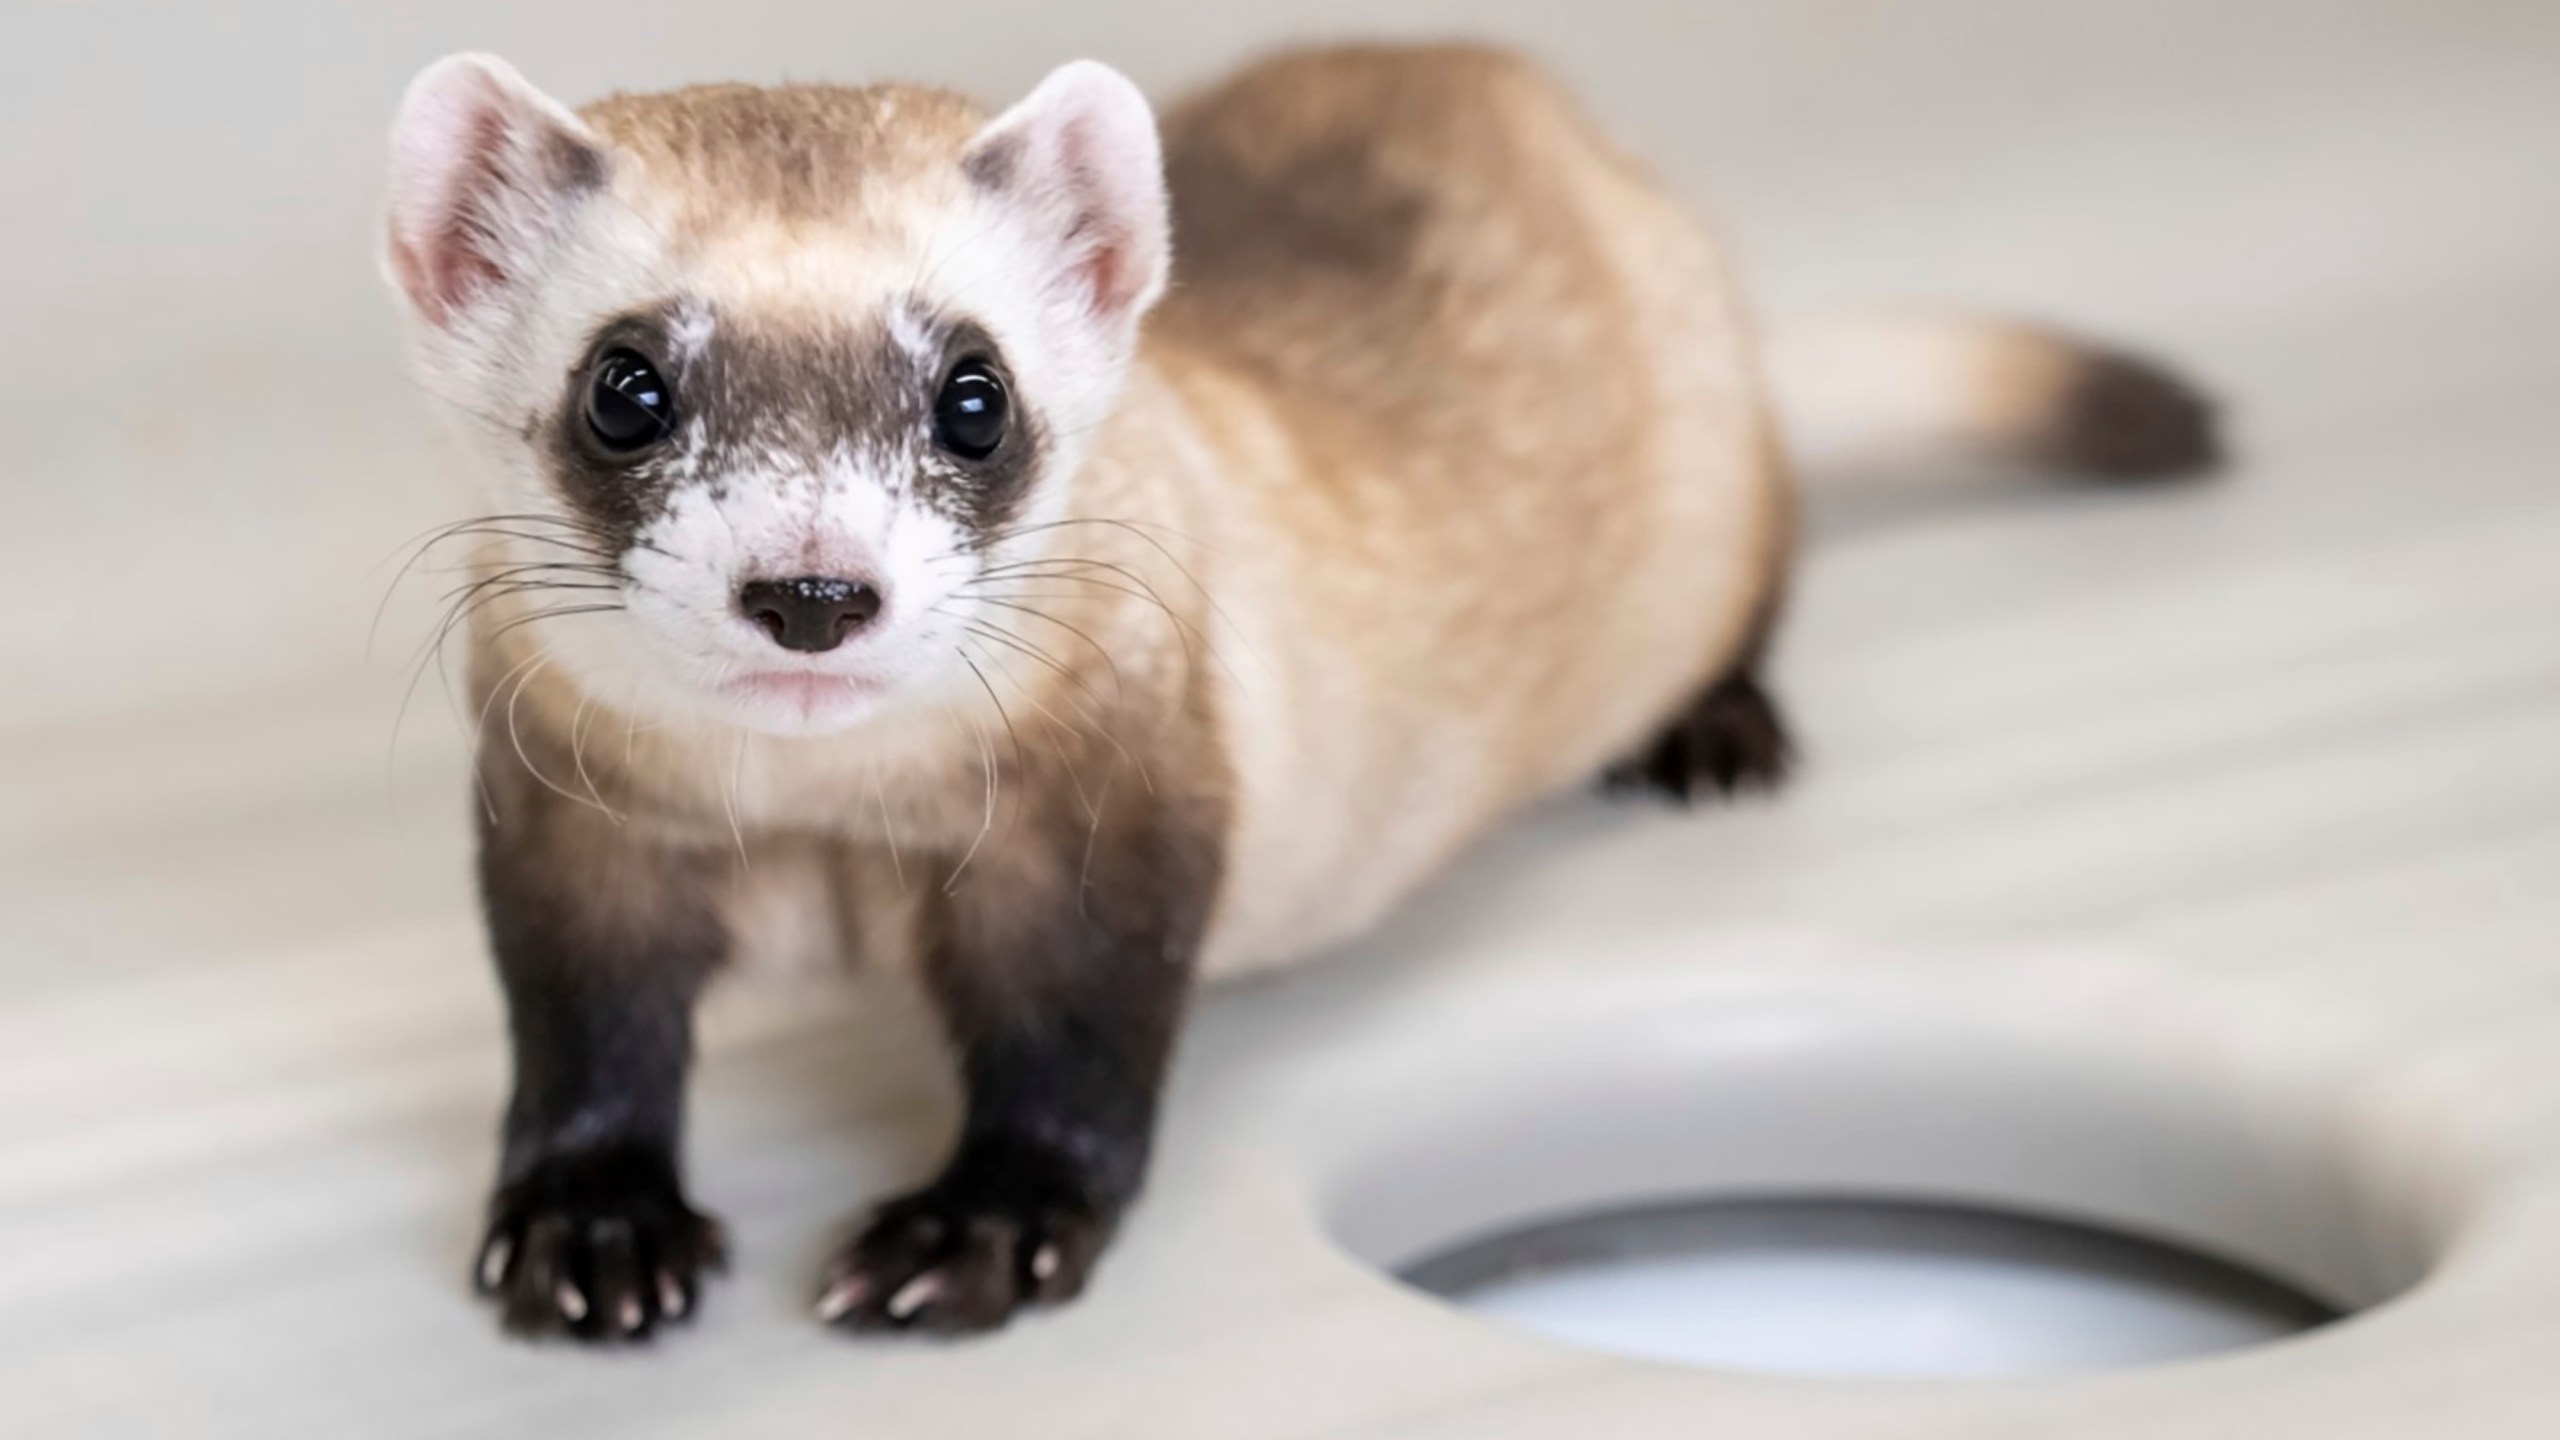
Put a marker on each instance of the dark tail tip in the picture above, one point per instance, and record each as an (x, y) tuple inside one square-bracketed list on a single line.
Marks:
[(2129, 418)]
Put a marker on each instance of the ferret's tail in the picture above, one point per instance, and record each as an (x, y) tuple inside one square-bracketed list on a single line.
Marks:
[(1873, 395)]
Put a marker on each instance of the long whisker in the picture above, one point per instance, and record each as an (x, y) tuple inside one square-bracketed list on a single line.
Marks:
[(483, 526), (515, 738), (578, 756), (578, 540), (1189, 633), (1139, 529), (1100, 727), (558, 612), (525, 585), (434, 534), (480, 728), (1093, 832), (987, 762), (1134, 527), (897, 863), (465, 609), (1075, 778), (461, 605), (430, 654), (988, 630), (737, 778), (434, 657), (1011, 734), (432, 648), (553, 567), (1119, 685)]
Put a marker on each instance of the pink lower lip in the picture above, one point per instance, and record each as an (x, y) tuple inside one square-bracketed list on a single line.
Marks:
[(807, 691)]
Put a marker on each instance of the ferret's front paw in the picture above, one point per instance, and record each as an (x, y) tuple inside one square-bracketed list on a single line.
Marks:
[(966, 1252), (601, 1247)]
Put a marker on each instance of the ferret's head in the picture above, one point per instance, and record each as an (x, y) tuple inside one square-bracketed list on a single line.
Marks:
[(779, 372)]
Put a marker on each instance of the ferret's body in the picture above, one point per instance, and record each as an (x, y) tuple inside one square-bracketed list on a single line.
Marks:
[(1440, 479), (1447, 457)]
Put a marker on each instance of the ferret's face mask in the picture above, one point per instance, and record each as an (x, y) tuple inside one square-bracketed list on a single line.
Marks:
[(770, 439)]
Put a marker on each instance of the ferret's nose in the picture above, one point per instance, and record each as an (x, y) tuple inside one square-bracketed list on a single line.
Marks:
[(812, 613)]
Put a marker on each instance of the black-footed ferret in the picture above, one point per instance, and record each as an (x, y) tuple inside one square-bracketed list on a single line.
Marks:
[(859, 568)]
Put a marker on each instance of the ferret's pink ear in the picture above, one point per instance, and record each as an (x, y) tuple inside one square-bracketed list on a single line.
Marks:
[(1080, 163), (483, 170)]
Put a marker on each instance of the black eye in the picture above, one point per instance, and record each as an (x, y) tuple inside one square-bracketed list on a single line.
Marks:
[(971, 413), (629, 406)]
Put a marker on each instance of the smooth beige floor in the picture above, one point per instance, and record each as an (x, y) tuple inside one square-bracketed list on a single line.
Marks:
[(2285, 750)]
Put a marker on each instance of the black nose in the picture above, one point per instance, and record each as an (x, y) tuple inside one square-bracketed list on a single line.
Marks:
[(812, 613)]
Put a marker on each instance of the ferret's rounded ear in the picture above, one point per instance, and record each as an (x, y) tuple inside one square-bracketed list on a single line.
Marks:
[(1080, 162), (483, 167)]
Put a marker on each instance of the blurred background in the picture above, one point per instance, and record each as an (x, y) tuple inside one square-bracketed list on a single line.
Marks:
[(248, 1052)]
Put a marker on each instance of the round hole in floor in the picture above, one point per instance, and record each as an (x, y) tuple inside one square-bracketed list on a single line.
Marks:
[(1881, 1190), (1865, 1289)]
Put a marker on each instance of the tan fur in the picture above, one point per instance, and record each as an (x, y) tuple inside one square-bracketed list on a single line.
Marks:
[(789, 202), (1520, 499), (723, 156), (1443, 479)]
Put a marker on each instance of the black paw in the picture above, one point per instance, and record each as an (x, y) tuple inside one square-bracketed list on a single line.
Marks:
[(966, 1252), (601, 1247), (1729, 740)]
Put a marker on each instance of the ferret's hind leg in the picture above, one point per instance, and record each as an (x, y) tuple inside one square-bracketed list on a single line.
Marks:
[(1726, 741)]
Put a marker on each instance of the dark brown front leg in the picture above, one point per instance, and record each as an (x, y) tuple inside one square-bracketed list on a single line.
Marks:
[(1061, 962), (603, 941)]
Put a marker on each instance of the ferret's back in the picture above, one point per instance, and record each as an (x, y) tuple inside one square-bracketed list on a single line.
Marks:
[(1525, 500), (1338, 212)]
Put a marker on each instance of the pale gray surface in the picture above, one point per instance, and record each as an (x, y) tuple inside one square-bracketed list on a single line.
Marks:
[(2264, 777)]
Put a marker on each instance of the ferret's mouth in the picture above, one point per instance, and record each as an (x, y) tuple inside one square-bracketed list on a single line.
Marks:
[(808, 692)]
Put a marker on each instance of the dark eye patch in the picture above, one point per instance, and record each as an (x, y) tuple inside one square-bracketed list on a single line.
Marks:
[(615, 457), (751, 394), (981, 487)]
